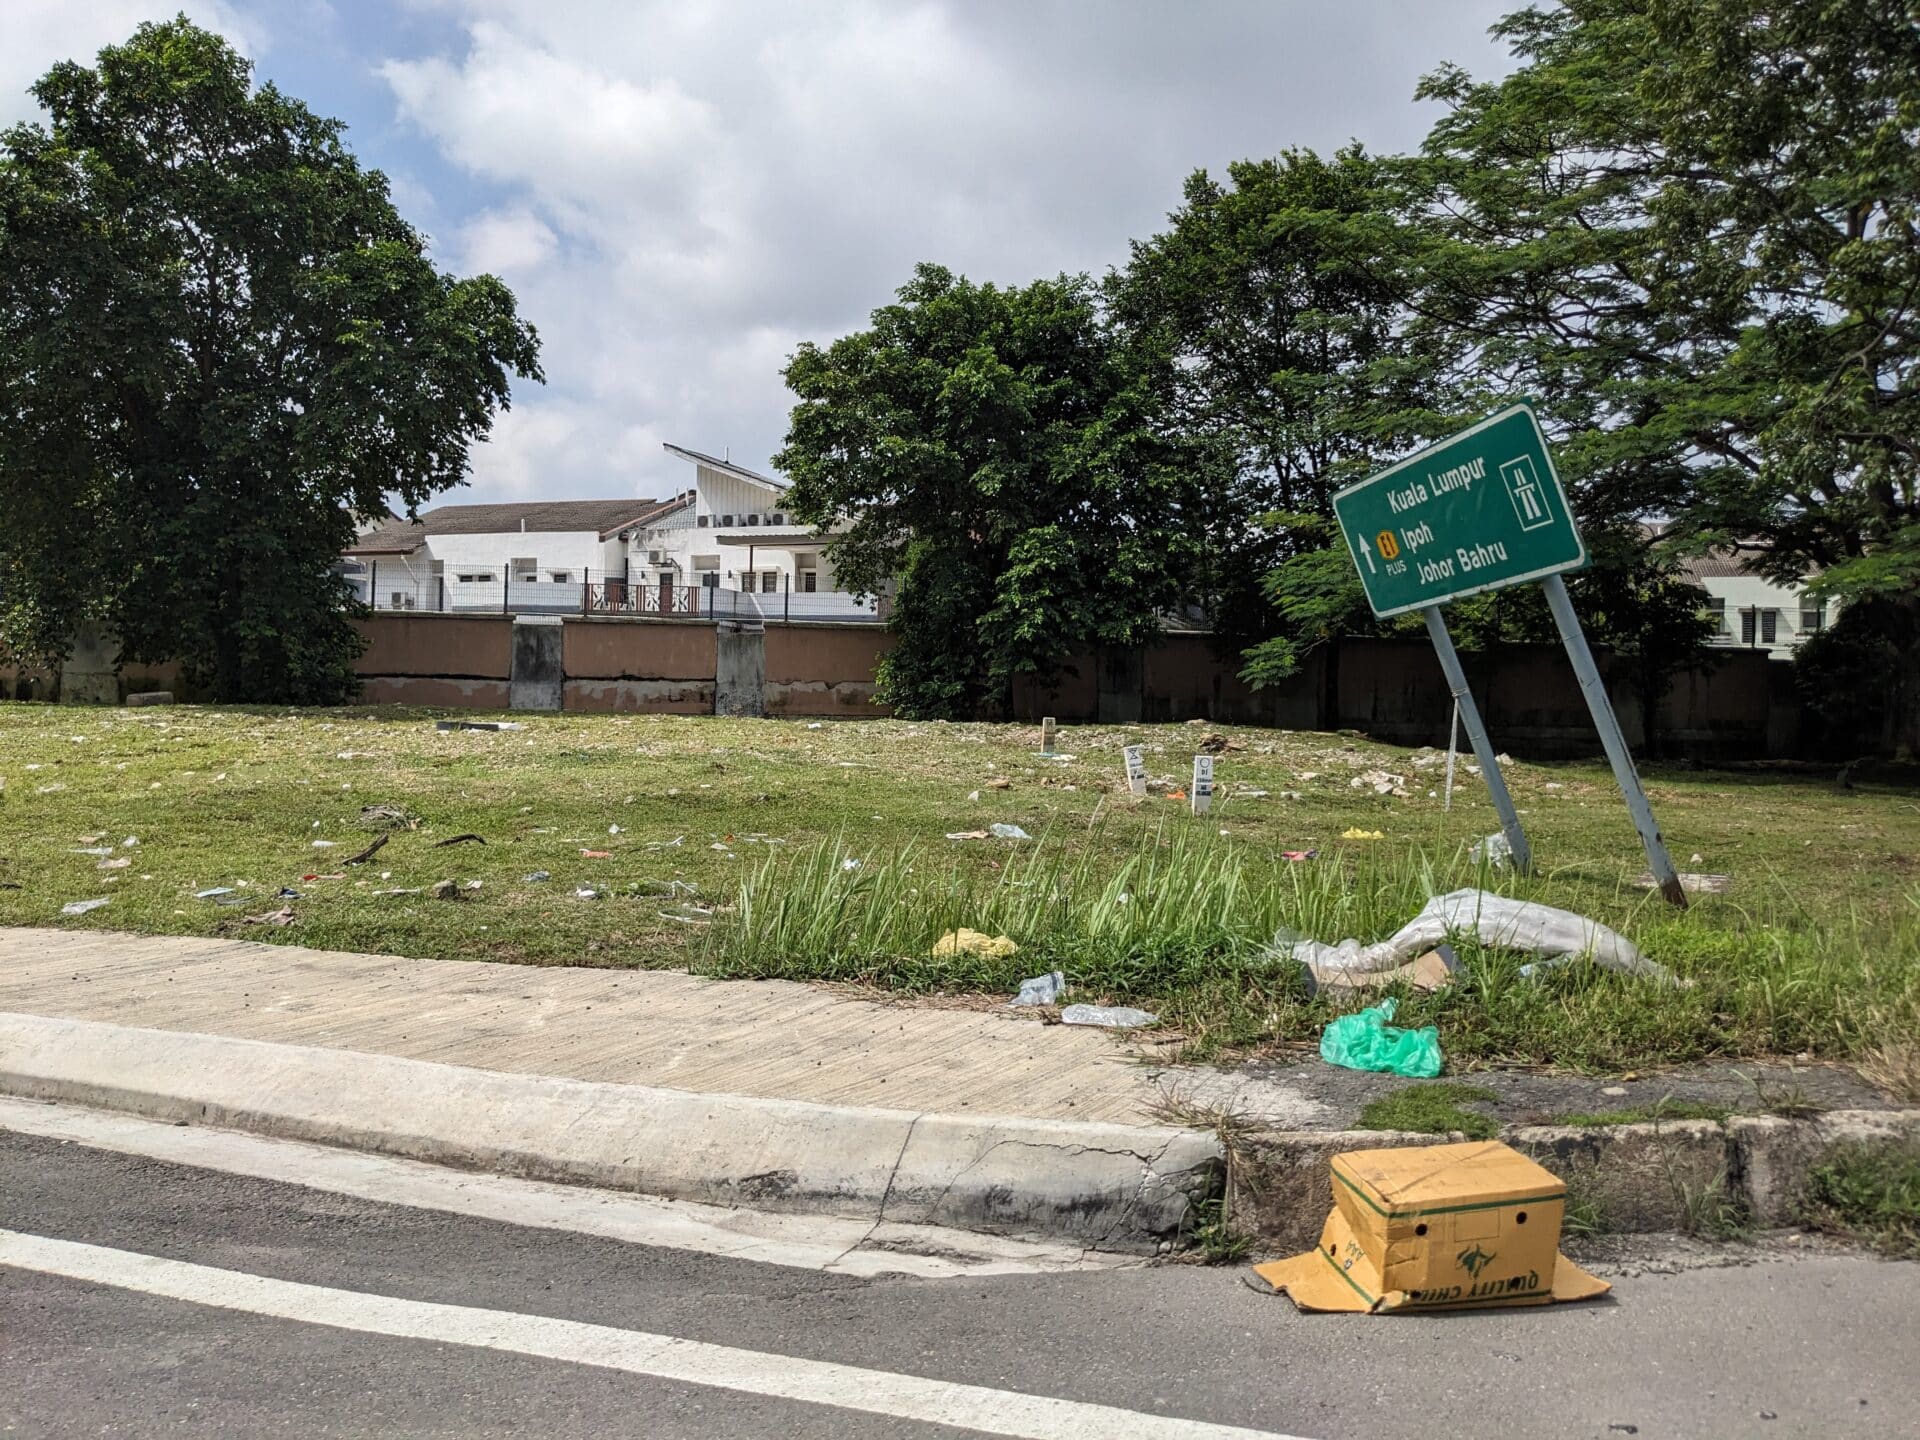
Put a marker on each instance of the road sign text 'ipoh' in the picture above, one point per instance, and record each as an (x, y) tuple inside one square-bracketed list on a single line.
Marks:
[(1480, 510)]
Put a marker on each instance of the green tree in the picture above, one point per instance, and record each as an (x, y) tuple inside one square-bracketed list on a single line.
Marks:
[(1690, 226), (218, 342), (1000, 459)]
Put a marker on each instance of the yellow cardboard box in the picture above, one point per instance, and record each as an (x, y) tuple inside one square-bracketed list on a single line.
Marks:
[(1437, 1227)]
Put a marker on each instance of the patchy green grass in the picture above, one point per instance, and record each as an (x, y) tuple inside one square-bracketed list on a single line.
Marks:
[(1869, 1192), (1667, 1108), (1816, 948), (1431, 1108)]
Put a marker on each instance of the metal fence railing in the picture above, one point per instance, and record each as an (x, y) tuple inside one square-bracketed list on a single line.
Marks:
[(395, 585)]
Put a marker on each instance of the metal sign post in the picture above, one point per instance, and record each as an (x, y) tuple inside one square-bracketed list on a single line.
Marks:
[(1482, 746), (1480, 511), (1608, 724)]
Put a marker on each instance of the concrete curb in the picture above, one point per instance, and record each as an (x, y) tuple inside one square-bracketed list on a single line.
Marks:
[(1694, 1176), (1107, 1186)]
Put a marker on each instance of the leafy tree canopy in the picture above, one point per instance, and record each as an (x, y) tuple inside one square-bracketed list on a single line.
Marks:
[(218, 343), (1004, 466)]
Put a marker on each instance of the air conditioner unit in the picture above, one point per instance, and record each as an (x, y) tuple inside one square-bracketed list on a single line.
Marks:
[(726, 522), (776, 518), (656, 557)]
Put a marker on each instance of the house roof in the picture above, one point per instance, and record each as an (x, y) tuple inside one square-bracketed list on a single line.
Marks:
[(727, 467), (603, 517)]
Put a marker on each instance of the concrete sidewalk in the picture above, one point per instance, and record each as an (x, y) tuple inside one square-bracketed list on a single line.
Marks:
[(770, 1095), (768, 1038)]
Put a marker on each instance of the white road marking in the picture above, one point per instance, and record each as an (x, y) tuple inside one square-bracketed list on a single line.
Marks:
[(637, 1352), (807, 1242)]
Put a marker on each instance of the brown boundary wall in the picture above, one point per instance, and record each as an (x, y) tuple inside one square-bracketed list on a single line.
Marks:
[(824, 669), (1741, 706)]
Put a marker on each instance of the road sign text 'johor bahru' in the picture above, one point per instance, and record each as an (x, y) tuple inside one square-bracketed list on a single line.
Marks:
[(1480, 510)]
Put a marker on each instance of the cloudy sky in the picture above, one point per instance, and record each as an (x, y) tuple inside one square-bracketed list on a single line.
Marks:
[(679, 193)]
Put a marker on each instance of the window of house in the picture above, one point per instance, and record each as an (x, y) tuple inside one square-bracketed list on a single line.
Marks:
[(809, 580), (710, 579), (560, 577), (769, 581), (1716, 608), (1746, 627), (1769, 626), (1813, 615), (477, 578)]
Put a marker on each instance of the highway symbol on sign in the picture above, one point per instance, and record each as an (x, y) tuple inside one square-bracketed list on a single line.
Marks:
[(1479, 511)]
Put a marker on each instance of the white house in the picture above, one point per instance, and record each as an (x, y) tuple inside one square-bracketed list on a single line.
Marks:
[(1751, 611), (738, 539), (557, 556)]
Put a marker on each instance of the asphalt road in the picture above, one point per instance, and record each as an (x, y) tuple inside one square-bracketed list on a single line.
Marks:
[(140, 1297)]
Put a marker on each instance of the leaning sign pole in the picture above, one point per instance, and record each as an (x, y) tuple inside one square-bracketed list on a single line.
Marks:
[(1483, 510)]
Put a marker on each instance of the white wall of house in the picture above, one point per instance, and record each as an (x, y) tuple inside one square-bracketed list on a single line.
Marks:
[(475, 567), (1746, 602)]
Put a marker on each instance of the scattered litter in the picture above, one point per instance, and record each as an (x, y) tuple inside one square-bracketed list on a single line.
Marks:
[(1431, 971), (538, 877), (973, 795), (118, 864), (1291, 795), (968, 834), (999, 782), (1365, 1041), (596, 855), (1553, 785), (1003, 831), (1381, 782), (815, 725), (48, 789), (613, 829), (213, 894), (130, 842), (591, 892), (1695, 858), (284, 916), (1176, 794), (1499, 922), (287, 892), (92, 839), (93, 850), (1391, 1258), (471, 885), (665, 844), (465, 839), (1496, 850), (391, 817), (1042, 989), (324, 844), (367, 854), (444, 890), (688, 915), (847, 864), (1356, 833), (1248, 793), (1690, 881), (973, 942), (1113, 1017), (1503, 760), (1298, 855), (478, 725), (81, 907), (355, 755), (722, 845)]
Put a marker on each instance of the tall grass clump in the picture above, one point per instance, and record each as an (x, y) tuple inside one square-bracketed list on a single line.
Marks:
[(1184, 923)]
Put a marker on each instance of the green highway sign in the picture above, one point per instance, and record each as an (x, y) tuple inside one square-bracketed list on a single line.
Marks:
[(1478, 511)]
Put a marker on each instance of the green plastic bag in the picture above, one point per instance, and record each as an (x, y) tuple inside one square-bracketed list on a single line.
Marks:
[(1365, 1041)]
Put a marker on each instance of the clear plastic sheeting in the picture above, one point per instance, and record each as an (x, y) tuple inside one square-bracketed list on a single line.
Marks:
[(1500, 923)]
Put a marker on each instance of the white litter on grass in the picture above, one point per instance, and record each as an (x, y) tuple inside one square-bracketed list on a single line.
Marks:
[(217, 891), (1499, 922), (973, 795), (1003, 831), (325, 844), (81, 907), (613, 829), (849, 864), (93, 850), (129, 842), (1112, 1017)]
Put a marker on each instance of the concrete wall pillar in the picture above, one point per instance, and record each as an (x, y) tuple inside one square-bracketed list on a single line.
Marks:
[(740, 666), (91, 674), (537, 680)]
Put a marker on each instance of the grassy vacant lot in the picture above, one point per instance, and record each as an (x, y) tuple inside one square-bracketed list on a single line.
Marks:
[(823, 854)]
